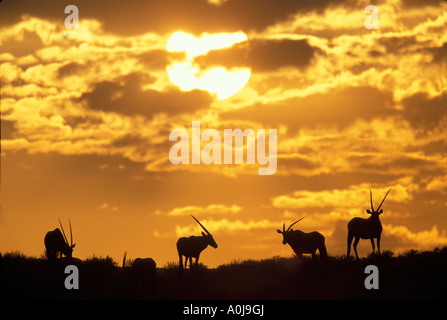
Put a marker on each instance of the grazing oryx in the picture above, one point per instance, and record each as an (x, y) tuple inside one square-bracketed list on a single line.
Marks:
[(191, 247), (370, 228), (141, 271), (56, 242), (302, 242)]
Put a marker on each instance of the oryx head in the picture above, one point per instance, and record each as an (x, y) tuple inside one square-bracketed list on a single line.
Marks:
[(285, 233), (69, 247), (207, 235), (372, 212)]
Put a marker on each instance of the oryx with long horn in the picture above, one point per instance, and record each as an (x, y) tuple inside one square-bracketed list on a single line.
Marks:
[(191, 247), (302, 242), (56, 242), (360, 228)]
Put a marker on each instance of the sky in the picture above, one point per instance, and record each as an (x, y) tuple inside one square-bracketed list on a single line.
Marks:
[(86, 116)]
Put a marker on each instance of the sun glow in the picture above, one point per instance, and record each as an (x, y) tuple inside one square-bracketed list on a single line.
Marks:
[(187, 74)]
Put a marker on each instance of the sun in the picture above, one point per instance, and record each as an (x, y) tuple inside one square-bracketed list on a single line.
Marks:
[(188, 75)]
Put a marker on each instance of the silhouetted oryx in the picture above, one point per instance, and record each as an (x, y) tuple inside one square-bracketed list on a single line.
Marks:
[(56, 242), (302, 242), (360, 228), (141, 271), (191, 247)]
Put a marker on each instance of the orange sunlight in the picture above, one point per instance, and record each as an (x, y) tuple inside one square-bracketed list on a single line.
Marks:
[(188, 76)]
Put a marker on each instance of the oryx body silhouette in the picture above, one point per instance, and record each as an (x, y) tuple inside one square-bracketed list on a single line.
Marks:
[(142, 271), (56, 242), (191, 247), (371, 228), (302, 242)]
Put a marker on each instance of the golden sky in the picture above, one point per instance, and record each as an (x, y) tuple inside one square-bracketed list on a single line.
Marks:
[(86, 115)]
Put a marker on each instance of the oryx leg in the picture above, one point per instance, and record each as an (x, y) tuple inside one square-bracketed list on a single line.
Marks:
[(356, 242), (372, 243), (378, 244), (180, 263), (350, 237)]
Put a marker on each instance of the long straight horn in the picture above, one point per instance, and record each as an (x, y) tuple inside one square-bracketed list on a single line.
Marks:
[(371, 199), (71, 234), (207, 232), (294, 223), (383, 200), (124, 259), (63, 232)]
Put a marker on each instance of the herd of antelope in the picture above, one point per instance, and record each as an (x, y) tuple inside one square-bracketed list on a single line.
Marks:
[(190, 247)]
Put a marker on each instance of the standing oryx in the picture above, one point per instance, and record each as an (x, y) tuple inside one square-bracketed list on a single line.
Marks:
[(370, 228), (56, 242), (191, 247), (302, 242)]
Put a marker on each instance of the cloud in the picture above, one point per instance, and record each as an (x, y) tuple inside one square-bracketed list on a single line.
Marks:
[(167, 16), (402, 238), (440, 55), (438, 184), (158, 59), (401, 44), (261, 55), (421, 3), (126, 96), (211, 209), (337, 107), (7, 129), (388, 146), (71, 68), (225, 225), (424, 112), (356, 196), (23, 43), (106, 206)]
